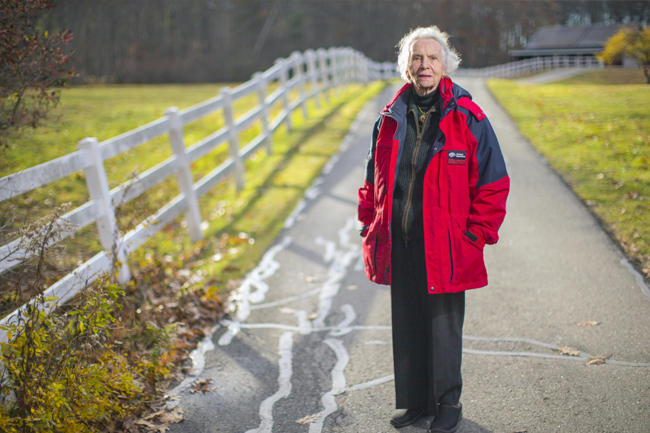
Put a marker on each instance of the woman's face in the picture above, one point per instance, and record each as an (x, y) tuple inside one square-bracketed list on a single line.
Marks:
[(425, 67)]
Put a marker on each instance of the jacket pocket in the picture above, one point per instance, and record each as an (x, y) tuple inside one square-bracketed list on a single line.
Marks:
[(370, 244), (467, 256)]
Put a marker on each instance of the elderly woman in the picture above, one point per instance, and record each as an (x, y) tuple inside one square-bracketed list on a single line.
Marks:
[(434, 194)]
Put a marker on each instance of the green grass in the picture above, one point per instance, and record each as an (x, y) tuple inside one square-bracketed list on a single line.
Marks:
[(241, 225), (597, 137)]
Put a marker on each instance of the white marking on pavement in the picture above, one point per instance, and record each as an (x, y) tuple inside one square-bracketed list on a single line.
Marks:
[(198, 365), (344, 327), (314, 189), (244, 295), (284, 380), (291, 219), (583, 356), (509, 339), (331, 163), (198, 355), (370, 327), (303, 323), (637, 276), (370, 384), (580, 357), (336, 271), (269, 326), (378, 342), (338, 383), (286, 300)]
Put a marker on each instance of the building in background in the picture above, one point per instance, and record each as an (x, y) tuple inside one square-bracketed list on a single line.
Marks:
[(578, 41)]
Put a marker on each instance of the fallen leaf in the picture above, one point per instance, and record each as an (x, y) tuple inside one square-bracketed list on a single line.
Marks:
[(153, 415), (129, 426), (309, 419), (173, 417), (568, 351), (352, 287), (311, 279), (588, 323), (312, 316), (202, 386), (519, 431), (287, 310), (153, 427), (597, 360)]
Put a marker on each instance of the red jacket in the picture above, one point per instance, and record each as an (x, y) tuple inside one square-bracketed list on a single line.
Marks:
[(465, 191)]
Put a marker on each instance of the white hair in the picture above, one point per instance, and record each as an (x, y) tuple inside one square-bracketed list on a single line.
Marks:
[(450, 60)]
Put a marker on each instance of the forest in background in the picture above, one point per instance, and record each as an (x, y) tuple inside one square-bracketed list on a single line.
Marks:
[(196, 41)]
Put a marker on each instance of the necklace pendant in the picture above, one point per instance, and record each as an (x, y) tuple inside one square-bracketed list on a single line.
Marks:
[(422, 118)]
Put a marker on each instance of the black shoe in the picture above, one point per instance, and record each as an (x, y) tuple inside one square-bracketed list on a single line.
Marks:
[(448, 419), (403, 418)]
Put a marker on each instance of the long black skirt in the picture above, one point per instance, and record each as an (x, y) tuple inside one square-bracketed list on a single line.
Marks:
[(427, 333)]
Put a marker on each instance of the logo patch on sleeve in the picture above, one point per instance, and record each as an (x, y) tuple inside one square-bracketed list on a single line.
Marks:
[(456, 157)]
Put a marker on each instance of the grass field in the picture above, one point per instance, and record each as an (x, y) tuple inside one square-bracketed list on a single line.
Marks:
[(597, 137), (240, 225)]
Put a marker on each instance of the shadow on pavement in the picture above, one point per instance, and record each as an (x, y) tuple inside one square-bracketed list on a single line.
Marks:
[(422, 426)]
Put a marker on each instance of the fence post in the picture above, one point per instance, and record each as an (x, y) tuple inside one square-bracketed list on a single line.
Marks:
[(324, 73), (365, 67), (334, 69), (299, 61), (109, 233), (233, 138), (345, 57), (345, 66), (284, 75), (313, 78), (184, 175), (261, 95)]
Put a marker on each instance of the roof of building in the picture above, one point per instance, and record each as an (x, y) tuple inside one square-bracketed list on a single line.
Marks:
[(564, 40)]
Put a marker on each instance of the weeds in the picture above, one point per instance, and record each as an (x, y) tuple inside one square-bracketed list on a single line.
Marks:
[(60, 371)]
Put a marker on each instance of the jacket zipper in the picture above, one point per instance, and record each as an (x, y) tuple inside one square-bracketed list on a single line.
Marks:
[(409, 198), (451, 257), (374, 259)]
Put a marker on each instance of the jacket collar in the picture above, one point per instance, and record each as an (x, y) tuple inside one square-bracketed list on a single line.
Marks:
[(449, 94)]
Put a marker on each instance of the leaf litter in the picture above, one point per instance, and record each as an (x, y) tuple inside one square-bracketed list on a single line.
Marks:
[(570, 351), (166, 418), (587, 323), (309, 418), (597, 360), (202, 386)]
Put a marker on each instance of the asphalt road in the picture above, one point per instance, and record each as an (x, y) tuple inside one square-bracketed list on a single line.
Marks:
[(312, 335)]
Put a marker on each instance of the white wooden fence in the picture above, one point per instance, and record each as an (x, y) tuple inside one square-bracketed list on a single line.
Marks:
[(530, 66), (321, 69)]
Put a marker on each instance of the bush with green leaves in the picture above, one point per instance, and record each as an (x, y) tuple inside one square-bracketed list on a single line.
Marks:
[(64, 371)]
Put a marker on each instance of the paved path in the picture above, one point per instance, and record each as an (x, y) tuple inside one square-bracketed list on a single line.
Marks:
[(314, 335)]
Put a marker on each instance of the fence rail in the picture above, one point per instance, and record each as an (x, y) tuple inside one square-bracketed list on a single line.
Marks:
[(312, 73), (530, 66)]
